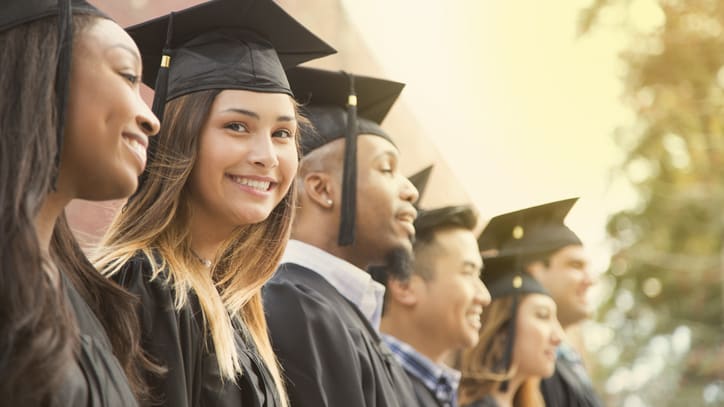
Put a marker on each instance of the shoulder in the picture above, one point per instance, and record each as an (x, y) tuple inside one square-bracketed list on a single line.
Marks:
[(297, 289)]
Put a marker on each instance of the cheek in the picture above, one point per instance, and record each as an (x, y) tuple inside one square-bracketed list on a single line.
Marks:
[(288, 165)]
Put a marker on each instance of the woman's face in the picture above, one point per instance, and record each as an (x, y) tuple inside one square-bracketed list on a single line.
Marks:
[(538, 334), (247, 157), (108, 124)]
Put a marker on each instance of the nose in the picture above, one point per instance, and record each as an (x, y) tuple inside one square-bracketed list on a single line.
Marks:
[(482, 294), (262, 151), (408, 192), (146, 120), (557, 333)]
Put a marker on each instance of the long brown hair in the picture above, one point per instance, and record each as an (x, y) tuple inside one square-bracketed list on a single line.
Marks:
[(482, 366), (38, 333), (155, 223)]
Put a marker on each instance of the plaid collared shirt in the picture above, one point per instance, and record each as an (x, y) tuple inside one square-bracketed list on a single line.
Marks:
[(443, 381)]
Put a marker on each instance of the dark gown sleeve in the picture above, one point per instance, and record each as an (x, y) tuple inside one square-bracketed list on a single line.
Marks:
[(172, 338), (320, 361), (564, 388), (97, 378)]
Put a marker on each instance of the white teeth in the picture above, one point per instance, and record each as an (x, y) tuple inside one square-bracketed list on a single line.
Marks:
[(137, 146), (258, 185), (474, 320)]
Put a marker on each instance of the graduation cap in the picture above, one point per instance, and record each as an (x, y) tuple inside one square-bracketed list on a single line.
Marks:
[(342, 105), (420, 180), (17, 12), (513, 235), (222, 44), (534, 230)]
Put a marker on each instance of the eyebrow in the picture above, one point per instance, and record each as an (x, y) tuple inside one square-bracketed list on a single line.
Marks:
[(255, 115), (390, 153), (130, 51)]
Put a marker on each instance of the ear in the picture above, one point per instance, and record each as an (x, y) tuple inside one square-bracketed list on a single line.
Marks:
[(319, 187), (404, 292), (536, 269)]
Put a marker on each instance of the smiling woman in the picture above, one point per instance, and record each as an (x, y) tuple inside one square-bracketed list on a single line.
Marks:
[(212, 215), (66, 333)]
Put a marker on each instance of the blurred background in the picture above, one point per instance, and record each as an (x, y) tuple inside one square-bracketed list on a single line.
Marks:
[(521, 102)]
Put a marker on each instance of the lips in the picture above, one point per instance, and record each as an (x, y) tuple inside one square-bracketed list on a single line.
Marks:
[(260, 184), (407, 218), (138, 144)]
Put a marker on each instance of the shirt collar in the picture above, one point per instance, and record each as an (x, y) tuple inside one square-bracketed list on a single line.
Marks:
[(435, 376), (355, 284)]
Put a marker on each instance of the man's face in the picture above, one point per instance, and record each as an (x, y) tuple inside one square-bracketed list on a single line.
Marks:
[(385, 214), (451, 300), (567, 279)]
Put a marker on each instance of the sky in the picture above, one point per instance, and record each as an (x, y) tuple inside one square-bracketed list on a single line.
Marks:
[(520, 107)]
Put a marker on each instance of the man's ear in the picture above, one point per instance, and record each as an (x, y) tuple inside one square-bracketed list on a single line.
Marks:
[(404, 292), (536, 269), (319, 187)]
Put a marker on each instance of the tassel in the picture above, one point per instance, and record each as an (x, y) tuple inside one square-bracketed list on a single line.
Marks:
[(349, 176), (62, 78), (508, 354), (159, 100)]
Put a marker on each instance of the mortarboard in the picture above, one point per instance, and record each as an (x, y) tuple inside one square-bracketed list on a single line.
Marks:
[(342, 105), (16, 12), (222, 44), (513, 235), (420, 180), (530, 231)]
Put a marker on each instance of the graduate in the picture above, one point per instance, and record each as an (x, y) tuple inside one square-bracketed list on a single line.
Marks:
[(552, 253), (517, 344), (72, 126), (435, 311), (208, 225), (356, 209)]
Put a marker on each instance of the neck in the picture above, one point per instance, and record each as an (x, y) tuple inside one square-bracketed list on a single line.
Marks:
[(207, 235), (402, 327), (329, 244), (505, 399), (45, 220)]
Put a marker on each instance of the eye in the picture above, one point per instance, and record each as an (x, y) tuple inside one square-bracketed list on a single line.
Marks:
[(282, 133), (237, 127), (133, 79)]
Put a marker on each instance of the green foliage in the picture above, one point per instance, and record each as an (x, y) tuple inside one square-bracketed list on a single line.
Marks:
[(670, 251)]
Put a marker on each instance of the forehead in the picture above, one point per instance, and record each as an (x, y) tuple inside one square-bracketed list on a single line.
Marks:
[(102, 34), (372, 146), (459, 245), (536, 300), (571, 253), (255, 101)]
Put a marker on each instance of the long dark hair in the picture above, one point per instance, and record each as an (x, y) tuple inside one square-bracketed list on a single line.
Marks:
[(38, 333), (155, 222)]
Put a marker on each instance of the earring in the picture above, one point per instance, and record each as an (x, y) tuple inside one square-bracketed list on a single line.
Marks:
[(329, 201)]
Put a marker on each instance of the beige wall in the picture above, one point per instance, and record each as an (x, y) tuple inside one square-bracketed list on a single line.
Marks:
[(328, 19)]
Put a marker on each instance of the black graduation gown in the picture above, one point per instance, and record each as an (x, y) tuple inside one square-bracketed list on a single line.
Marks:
[(175, 339), (566, 389), (486, 401), (424, 396), (331, 355), (97, 379)]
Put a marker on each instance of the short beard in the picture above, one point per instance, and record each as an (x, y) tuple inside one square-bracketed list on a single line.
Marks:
[(398, 265)]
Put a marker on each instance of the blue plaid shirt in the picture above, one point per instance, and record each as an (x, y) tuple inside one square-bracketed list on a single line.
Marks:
[(443, 381)]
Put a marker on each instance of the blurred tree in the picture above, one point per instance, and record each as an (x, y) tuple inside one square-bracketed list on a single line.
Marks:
[(667, 273)]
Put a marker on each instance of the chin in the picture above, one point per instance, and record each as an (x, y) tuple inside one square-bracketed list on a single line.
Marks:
[(251, 217)]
